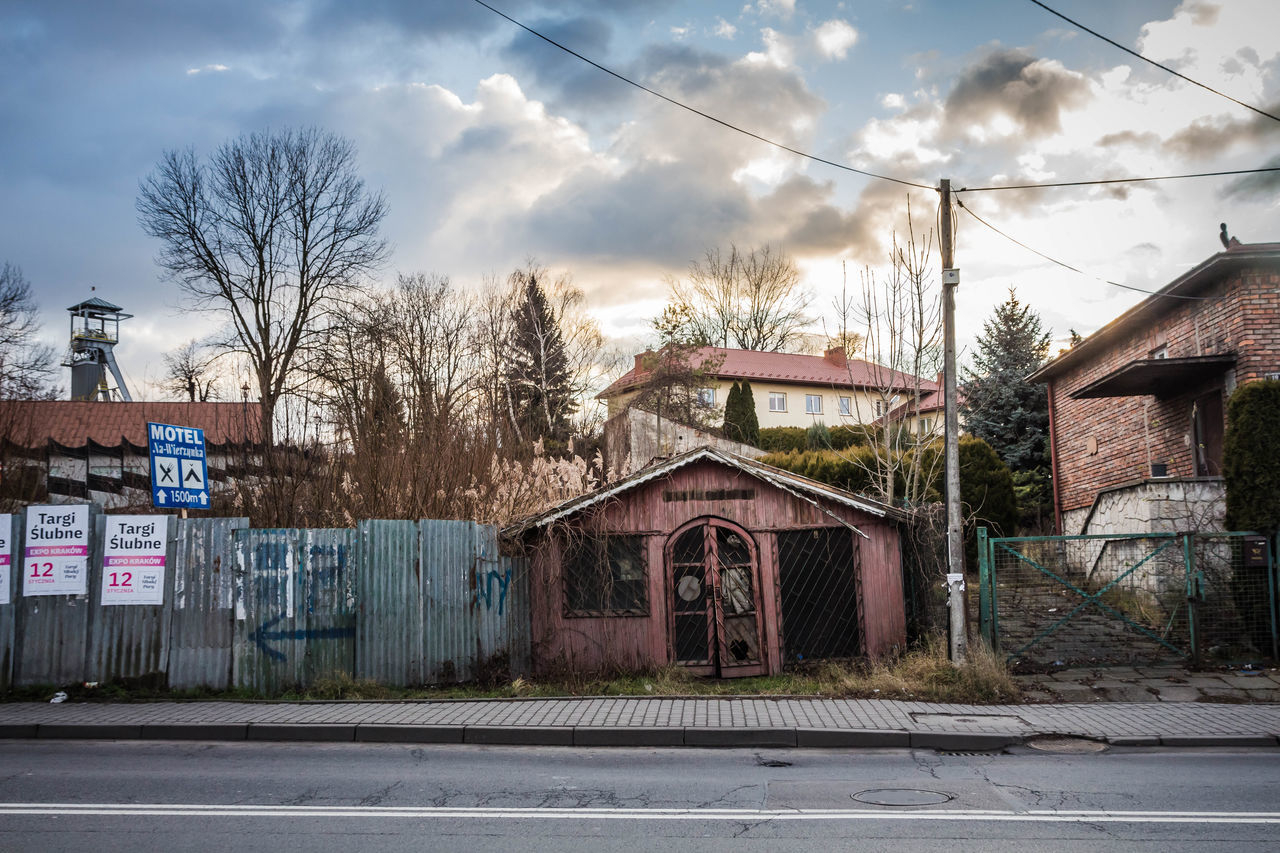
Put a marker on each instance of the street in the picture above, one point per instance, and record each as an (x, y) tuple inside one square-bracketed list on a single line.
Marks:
[(141, 796)]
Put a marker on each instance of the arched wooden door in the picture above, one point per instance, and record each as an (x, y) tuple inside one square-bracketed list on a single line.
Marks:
[(714, 569)]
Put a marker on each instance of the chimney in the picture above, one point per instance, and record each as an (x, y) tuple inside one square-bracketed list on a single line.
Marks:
[(835, 356), (641, 358)]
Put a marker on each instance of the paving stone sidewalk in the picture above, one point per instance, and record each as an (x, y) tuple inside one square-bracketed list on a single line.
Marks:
[(781, 722), (1152, 684)]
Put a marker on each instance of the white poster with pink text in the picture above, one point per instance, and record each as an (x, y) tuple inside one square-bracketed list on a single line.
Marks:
[(133, 553), (55, 555), (6, 557)]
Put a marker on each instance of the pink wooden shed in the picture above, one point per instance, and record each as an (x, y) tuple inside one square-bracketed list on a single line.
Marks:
[(715, 562)]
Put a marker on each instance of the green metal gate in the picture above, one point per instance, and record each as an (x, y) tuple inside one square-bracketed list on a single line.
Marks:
[(1128, 599)]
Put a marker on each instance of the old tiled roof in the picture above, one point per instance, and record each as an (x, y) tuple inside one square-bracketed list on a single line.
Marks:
[(781, 367), (74, 423)]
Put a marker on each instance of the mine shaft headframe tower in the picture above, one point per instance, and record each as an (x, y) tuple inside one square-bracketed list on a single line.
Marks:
[(95, 330)]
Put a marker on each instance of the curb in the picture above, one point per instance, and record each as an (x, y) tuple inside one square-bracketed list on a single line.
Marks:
[(594, 736)]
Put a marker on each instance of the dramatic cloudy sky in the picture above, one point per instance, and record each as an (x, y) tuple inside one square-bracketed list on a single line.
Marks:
[(493, 147)]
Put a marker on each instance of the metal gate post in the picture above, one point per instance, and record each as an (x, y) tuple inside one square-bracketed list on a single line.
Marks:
[(984, 588), (1273, 576), (1193, 591)]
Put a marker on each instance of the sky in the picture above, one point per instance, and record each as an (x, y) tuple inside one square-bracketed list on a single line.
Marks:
[(493, 148)]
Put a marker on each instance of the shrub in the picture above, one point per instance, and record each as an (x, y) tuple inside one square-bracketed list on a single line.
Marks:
[(817, 437), (1251, 457)]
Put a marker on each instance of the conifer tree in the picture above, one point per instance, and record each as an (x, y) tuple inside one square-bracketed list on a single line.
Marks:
[(540, 380), (1001, 407), (733, 413), (750, 421)]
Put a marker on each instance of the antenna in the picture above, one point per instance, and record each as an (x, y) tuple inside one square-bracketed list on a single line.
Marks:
[(95, 330)]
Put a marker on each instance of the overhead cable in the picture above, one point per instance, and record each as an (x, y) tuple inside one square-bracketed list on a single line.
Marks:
[(699, 112), (1119, 180), (1065, 265), (1114, 43)]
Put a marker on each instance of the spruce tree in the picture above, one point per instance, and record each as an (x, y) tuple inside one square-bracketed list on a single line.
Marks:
[(1000, 406), (540, 381)]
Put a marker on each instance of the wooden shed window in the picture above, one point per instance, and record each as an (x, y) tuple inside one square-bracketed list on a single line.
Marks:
[(605, 576)]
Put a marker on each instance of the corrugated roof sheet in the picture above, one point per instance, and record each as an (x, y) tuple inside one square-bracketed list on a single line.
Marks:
[(74, 423), (785, 480), (95, 302), (783, 367)]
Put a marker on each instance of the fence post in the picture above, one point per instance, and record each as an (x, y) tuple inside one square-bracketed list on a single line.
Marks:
[(1193, 592), (984, 592), (1273, 581)]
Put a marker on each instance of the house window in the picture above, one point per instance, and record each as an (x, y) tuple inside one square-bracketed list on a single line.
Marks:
[(605, 576), (926, 426), (813, 404), (1161, 351), (777, 401), (880, 407), (706, 396), (846, 406)]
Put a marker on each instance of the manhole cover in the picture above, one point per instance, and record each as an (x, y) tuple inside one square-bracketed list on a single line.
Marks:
[(1064, 744), (902, 797)]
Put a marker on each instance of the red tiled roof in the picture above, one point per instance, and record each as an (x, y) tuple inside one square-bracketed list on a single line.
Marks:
[(785, 368), (74, 423)]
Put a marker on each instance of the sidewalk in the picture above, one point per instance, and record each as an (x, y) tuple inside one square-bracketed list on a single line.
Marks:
[(651, 722)]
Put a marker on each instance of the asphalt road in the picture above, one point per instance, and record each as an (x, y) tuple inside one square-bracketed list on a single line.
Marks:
[(144, 796)]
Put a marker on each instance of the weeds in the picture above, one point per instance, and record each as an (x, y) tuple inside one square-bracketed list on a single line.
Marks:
[(923, 674)]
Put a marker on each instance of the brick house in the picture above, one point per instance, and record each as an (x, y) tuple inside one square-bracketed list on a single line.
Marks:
[(1137, 409)]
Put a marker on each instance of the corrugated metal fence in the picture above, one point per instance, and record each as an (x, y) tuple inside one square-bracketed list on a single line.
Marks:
[(399, 602)]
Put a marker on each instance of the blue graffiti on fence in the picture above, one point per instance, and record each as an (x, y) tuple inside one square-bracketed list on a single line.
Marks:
[(484, 589), (264, 633)]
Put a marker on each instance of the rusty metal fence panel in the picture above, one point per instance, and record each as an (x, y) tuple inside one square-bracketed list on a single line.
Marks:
[(402, 603), (128, 642), (52, 631), (201, 622), (294, 609), (8, 603), (389, 647)]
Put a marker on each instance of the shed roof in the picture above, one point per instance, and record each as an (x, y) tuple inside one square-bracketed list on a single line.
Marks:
[(75, 423), (95, 302), (803, 487), (836, 371)]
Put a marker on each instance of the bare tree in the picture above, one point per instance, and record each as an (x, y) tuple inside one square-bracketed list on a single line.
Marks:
[(749, 300), (26, 366), (268, 233), (190, 374), (901, 321)]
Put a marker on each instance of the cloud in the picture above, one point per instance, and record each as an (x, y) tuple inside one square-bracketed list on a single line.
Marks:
[(778, 8), (1263, 186), (834, 38), (1211, 137), (1011, 93), (778, 50), (725, 30)]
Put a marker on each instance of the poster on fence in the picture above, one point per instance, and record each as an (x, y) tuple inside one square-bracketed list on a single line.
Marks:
[(133, 551), (55, 556), (6, 557)]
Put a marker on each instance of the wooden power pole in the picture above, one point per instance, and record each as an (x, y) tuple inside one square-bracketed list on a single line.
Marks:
[(955, 522)]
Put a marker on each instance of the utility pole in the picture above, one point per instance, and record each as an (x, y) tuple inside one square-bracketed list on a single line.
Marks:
[(955, 523)]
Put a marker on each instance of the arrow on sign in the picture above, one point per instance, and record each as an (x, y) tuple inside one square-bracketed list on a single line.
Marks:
[(161, 495), (264, 633)]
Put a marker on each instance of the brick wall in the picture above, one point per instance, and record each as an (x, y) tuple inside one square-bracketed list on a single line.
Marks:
[(1110, 441)]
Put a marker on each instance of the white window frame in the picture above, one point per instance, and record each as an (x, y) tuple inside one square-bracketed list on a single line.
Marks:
[(813, 404), (707, 396), (846, 407), (777, 401)]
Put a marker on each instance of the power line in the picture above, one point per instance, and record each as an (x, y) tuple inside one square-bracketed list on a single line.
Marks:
[(1119, 180), (846, 167), (1114, 43), (1076, 269), (699, 112)]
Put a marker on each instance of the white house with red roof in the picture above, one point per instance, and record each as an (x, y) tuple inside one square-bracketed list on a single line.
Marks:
[(789, 390)]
